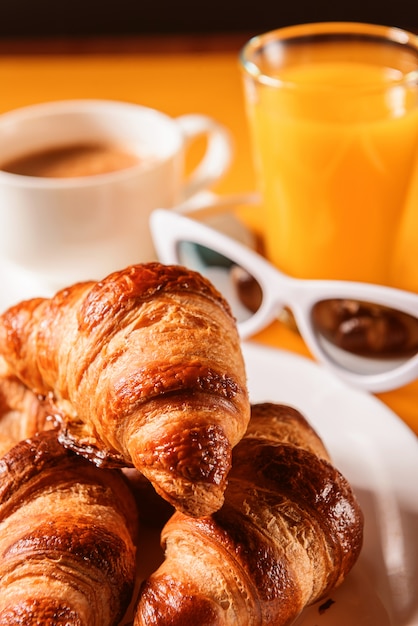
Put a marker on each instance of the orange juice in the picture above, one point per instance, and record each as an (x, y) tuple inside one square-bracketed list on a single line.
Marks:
[(404, 261), (336, 143)]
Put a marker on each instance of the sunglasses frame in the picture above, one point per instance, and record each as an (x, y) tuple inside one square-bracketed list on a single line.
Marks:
[(169, 228)]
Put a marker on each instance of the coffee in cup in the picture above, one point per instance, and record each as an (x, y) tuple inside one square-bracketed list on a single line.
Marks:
[(72, 161)]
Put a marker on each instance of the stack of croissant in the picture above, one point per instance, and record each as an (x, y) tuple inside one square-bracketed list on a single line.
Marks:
[(139, 380)]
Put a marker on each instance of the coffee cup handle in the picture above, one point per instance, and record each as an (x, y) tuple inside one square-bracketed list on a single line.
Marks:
[(217, 157)]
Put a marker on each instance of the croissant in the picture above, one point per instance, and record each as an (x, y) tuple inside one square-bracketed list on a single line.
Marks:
[(67, 533), (142, 369), (288, 533)]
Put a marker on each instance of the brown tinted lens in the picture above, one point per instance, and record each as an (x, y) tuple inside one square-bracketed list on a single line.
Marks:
[(247, 288), (366, 329), (238, 286)]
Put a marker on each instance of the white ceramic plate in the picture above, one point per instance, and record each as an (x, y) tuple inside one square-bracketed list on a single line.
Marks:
[(378, 454)]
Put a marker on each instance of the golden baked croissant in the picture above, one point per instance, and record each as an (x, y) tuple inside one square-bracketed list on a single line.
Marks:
[(289, 531), (67, 538), (143, 368)]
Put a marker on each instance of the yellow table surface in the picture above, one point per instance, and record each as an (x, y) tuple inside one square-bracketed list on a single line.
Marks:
[(176, 80)]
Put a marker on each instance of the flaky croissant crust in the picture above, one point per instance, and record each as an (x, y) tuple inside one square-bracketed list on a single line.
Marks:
[(67, 538), (289, 532), (22, 413), (143, 368)]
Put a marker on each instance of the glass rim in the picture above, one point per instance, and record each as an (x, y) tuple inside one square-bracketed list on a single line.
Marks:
[(317, 30)]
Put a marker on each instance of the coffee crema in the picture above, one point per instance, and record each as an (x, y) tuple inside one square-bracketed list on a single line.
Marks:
[(72, 161)]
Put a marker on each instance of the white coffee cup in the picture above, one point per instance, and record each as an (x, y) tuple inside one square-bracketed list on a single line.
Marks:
[(56, 231)]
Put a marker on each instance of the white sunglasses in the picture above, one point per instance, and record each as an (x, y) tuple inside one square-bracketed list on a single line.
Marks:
[(366, 334)]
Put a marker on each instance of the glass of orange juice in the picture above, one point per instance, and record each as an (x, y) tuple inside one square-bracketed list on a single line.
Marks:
[(333, 115)]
